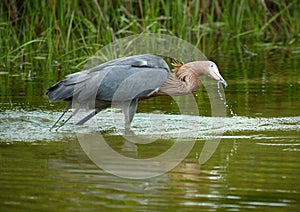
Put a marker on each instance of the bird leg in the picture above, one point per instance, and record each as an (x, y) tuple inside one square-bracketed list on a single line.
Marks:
[(65, 110), (99, 105), (74, 112), (132, 109), (129, 109), (88, 117)]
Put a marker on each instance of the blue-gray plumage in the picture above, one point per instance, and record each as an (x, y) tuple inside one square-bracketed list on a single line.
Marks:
[(124, 81)]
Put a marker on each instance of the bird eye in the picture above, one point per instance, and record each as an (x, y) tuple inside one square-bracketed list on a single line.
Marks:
[(212, 65)]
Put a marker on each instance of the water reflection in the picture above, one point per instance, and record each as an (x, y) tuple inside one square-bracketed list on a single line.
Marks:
[(241, 174)]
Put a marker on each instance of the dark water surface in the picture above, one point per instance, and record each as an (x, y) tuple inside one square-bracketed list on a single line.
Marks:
[(255, 166)]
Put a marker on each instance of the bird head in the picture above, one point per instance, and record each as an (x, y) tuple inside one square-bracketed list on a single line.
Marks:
[(207, 68)]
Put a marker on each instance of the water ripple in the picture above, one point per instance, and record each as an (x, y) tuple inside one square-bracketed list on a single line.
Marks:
[(31, 126)]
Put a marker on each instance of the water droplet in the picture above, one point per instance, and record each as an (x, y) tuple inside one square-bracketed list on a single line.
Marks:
[(230, 110)]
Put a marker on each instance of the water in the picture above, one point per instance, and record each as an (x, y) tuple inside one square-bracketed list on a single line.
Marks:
[(255, 165), (16, 125)]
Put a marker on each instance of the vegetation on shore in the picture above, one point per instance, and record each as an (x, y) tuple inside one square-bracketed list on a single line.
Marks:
[(65, 33)]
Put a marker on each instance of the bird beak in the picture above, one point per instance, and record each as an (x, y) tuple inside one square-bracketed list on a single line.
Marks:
[(223, 82), (215, 74)]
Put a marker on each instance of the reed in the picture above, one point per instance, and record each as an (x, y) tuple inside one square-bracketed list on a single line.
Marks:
[(64, 34)]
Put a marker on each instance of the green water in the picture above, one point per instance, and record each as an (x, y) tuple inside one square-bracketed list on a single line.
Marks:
[(254, 167)]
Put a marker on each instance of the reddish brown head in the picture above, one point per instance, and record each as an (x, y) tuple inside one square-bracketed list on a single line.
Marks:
[(185, 78)]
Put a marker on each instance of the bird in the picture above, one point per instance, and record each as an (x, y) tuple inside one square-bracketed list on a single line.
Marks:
[(127, 80)]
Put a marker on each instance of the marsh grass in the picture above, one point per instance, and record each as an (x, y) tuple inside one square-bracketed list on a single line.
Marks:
[(59, 36)]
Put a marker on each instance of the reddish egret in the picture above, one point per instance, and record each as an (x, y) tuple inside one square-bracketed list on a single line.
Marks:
[(125, 81)]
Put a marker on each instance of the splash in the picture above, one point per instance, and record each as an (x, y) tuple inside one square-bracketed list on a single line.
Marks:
[(32, 126), (222, 98)]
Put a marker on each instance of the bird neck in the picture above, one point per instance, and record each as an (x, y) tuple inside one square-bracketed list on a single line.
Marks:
[(180, 82), (187, 76)]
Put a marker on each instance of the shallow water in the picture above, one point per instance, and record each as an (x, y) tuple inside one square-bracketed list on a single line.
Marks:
[(16, 125), (254, 166)]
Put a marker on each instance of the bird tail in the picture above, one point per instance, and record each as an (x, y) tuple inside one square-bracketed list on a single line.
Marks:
[(59, 92)]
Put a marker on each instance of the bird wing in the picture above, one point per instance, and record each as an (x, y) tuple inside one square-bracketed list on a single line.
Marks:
[(125, 82), (120, 79)]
